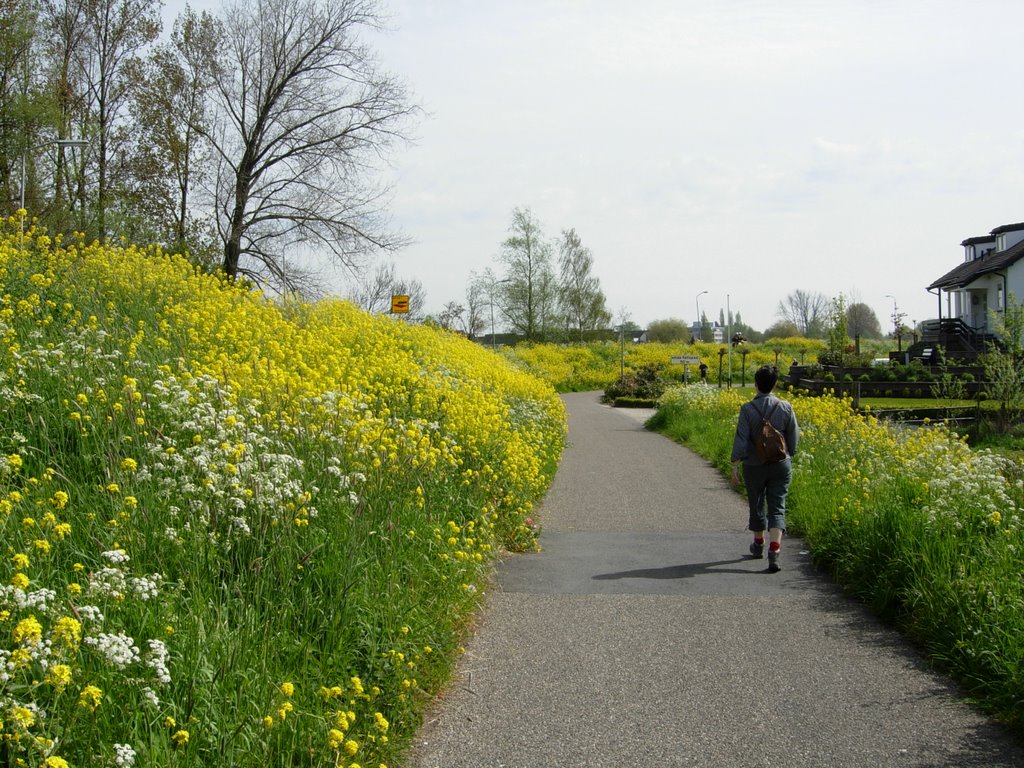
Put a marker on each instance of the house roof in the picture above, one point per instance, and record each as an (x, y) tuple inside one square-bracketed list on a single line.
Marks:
[(979, 240), (1008, 228), (969, 271)]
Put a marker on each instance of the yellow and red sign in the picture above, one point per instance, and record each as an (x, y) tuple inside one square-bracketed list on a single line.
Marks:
[(399, 304)]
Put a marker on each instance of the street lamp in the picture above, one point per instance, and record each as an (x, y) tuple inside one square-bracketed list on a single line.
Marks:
[(61, 145), (493, 284), (700, 325)]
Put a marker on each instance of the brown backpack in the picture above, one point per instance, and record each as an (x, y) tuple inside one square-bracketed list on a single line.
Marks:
[(769, 443)]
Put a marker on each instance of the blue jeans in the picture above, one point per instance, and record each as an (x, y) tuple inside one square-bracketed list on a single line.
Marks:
[(767, 486)]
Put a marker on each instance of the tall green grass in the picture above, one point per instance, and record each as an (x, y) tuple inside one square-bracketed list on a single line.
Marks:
[(911, 520)]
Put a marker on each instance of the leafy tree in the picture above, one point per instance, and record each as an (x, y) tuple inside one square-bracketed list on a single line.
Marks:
[(582, 301), (862, 321), (838, 336), (783, 329), (668, 330), (303, 116), (17, 91), (64, 36), (116, 32), (806, 310), (527, 294), (169, 158), (1004, 366)]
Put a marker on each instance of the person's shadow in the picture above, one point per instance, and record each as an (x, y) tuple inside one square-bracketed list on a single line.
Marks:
[(685, 571)]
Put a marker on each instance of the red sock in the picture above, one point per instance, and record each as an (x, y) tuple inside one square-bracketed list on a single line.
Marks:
[(774, 546), (759, 539)]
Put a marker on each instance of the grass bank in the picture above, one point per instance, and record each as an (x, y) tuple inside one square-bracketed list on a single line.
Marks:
[(912, 521), (239, 532)]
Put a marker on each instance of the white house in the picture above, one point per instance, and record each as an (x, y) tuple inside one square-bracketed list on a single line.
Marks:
[(992, 269)]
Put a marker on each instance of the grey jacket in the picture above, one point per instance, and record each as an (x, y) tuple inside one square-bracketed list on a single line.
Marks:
[(751, 415)]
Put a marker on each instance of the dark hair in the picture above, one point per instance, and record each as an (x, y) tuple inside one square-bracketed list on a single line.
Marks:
[(765, 378)]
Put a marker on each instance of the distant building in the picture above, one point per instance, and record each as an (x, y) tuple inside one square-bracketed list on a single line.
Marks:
[(717, 331)]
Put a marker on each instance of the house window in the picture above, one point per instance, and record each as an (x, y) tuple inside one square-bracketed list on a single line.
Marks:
[(999, 298)]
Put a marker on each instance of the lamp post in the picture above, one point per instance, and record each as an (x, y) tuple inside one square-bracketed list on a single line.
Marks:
[(493, 284), (61, 145), (700, 325)]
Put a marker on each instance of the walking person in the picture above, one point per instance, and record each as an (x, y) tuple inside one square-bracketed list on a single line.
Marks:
[(767, 483)]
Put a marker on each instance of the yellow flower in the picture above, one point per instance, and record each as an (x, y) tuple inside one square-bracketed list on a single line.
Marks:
[(180, 738), (288, 689), (129, 465), (59, 676), (335, 738), (28, 631), (55, 762), (20, 561), (67, 631), (351, 747), (90, 697), (23, 717), (169, 722)]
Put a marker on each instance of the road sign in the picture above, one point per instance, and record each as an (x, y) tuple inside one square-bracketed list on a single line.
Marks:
[(399, 304), (685, 359)]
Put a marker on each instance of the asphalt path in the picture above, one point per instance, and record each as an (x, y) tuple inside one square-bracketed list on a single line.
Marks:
[(643, 635)]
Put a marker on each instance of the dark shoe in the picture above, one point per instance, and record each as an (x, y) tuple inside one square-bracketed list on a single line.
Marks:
[(773, 561), (757, 550)]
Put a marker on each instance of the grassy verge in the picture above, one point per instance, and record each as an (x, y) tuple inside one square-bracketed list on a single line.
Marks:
[(912, 521), (239, 532)]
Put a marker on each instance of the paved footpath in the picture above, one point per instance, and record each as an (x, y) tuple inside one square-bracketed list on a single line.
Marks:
[(641, 636)]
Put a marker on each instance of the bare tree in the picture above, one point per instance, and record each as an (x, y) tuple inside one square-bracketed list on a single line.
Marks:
[(526, 296), (452, 317), (373, 293), (477, 300), (304, 119), (806, 310), (581, 298)]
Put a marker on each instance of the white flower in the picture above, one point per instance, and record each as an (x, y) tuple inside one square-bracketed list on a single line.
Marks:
[(156, 660), (116, 556), (124, 756), (118, 649), (108, 582), (146, 588)]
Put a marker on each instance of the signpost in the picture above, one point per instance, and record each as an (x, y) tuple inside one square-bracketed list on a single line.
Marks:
[(686, 361), (399, 304)]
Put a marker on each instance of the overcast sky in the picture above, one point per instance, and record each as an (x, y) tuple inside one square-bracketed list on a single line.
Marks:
[(746, 148)]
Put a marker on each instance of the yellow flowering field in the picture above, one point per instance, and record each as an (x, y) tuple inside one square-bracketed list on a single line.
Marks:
[(912, 520), (239, 531), (596, 365)]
